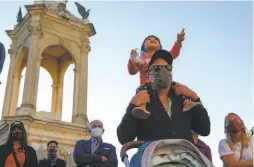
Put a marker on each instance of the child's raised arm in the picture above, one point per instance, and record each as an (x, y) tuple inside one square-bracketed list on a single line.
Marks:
[(175, 51)]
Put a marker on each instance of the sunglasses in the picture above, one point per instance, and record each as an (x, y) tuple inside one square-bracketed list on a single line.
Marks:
[(234, 126), (16, 133), (158, 68), (234, 132)]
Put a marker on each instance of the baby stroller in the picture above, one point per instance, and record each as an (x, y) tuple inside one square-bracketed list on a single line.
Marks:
[(164, 153)]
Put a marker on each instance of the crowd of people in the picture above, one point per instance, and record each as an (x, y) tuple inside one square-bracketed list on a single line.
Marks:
[(93, 153), (160, 109), (236, 150)]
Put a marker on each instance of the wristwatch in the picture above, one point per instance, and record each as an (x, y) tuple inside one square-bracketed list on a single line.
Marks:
[(197, 100)]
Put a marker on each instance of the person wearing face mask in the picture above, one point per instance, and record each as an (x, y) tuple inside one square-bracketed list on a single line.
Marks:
[(94, 152), (236, 150), (167, 120), (202, 146), (52, 159), (16, 152)]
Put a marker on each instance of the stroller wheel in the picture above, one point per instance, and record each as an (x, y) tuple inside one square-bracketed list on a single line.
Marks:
[(140, 113)]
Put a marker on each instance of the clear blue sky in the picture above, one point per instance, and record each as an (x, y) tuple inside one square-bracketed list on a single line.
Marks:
[(215, 61)]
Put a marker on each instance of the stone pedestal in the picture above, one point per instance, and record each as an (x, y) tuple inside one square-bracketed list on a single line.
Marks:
[(26, 110)]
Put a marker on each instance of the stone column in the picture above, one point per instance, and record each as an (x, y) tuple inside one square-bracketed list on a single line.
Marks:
[(80, 89), (9, 83), (15, 93), (28, 106), (57, 100), (37, 76), (75, 93), (54, 95)]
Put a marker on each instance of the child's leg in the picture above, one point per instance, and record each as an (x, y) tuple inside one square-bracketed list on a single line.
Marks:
[(141, 112)]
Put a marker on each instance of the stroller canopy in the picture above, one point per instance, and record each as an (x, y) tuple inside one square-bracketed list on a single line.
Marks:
[(173, 153)]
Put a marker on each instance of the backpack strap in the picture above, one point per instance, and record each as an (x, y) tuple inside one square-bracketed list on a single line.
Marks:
[(15, 158)]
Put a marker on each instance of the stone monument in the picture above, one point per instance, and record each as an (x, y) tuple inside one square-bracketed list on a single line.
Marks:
[(49, 36)]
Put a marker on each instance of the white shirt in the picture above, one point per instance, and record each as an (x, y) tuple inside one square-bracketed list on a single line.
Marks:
[(247, 153), (169, 108)]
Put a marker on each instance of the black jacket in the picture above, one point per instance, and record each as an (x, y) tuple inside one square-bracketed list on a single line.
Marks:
[(30, 155), (160, 126), (46, 163)]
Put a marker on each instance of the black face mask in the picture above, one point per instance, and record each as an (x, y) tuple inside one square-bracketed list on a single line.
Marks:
[(16, 136), (52, 153)]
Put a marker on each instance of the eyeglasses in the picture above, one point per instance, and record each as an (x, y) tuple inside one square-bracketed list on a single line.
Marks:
[(158, 68), (236, 120)]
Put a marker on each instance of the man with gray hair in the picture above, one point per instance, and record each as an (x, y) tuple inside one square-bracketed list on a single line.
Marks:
[(94, 152)]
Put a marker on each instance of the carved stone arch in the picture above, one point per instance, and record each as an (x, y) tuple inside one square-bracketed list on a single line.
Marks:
[(19, 50), (21, 61), (41, 151), (69, 59), (63, 154), (63, 71), (46, 43), (23, 66), (49, 42), (71, 53), (50, 73)]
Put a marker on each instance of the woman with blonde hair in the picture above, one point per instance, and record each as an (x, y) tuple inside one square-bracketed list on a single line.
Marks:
[(236, 150)]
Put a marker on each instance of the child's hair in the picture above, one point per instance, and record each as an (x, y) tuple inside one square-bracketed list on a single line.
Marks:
[(143, 44), (245, 135)]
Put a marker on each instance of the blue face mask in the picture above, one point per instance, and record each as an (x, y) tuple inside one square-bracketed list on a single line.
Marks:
[(97, 132)]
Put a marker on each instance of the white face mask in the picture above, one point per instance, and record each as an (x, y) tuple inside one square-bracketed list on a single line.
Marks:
[(96, 132)]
